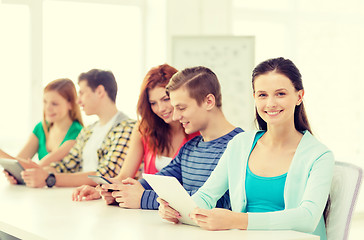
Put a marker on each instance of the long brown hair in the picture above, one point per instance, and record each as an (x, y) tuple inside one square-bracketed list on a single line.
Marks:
[(288, 69), (66, 88), (152, 128)]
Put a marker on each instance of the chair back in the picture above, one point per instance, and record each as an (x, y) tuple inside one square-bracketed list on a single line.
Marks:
[(343, 194)]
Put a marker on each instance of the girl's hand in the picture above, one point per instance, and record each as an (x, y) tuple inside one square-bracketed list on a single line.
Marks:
[(10, 178), (219, 219), (85, 192)]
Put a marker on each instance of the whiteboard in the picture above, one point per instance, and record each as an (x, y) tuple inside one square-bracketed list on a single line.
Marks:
[(231, 58)]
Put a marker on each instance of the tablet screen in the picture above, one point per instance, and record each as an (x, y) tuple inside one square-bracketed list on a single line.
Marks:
[(99, 179), (169, 189), (13, 167)]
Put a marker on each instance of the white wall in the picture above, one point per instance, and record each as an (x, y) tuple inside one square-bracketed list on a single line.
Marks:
[(197, 17), (324, 39)]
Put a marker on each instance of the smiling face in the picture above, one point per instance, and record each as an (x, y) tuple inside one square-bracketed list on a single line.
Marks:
[(186, 110), (56, 108), (160, 104), (87, 99), (276, 98)]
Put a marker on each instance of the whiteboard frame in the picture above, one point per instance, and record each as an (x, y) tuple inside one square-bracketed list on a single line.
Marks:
[(239, 110)]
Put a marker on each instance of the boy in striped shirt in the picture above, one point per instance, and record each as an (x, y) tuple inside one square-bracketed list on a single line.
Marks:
[(196, 97)]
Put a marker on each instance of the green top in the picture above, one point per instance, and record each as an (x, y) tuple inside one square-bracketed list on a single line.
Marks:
[(38, 131)]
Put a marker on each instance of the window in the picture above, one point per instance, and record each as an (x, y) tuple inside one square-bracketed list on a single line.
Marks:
[(15, 76), (80, 36), (76, 36)]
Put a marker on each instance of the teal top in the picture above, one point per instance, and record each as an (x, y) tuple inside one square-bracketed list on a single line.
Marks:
[(38, 131), (263, 194), (306, 189)]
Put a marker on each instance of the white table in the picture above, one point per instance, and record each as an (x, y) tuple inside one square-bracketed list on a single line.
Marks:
[(29, 213)]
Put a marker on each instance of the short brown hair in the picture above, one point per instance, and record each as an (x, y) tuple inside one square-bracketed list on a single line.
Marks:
[(97, 77), (199, 81)]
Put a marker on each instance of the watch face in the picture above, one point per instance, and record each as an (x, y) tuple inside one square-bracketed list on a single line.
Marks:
[(51, 180)]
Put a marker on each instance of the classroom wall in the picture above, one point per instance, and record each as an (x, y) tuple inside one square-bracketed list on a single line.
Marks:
[(198, 17), (323, 38)]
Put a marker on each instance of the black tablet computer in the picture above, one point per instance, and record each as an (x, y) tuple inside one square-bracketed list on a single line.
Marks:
[(99, 179), (13, 167)]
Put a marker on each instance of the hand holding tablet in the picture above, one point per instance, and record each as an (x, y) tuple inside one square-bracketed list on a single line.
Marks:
[(13, 167), (100, 180), (169, 189)]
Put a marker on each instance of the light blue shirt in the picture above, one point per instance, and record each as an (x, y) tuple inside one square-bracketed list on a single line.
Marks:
[(263, 194), (305, 193)]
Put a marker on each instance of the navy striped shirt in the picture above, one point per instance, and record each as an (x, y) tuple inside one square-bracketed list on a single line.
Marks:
[(192, 167)]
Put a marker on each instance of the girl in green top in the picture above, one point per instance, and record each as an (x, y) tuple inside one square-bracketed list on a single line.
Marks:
[(55, 135)]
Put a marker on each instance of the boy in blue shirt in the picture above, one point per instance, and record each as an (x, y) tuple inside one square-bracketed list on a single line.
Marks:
[(196, 97)]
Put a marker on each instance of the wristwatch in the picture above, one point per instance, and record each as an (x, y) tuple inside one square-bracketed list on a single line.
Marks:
[(50, 180)]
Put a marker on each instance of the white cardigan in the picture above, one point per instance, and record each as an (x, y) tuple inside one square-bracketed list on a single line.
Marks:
[(305, 193)]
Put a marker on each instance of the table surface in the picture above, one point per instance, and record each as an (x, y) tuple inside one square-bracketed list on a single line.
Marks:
[(29, 213)]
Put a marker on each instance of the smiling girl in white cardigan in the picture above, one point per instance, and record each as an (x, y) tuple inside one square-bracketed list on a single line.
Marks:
[(279, 177)]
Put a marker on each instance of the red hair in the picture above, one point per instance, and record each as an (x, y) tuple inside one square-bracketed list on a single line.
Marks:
[(153, 129)]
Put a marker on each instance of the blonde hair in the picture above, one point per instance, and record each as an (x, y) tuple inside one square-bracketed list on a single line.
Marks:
[(66, 88)]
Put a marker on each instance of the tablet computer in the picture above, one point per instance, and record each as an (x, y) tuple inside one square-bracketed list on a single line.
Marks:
[(170, 189), (99, 179), (13, 167)]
